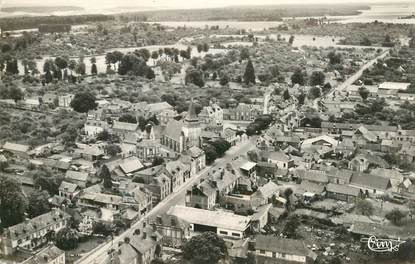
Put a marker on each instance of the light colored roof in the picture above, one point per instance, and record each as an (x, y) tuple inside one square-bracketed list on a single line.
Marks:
[(131, 164), (325, 138), (125, 126), (173, 129), (15, 147), (281, 245), (394, 86), (195, 152), (76, 175), (248, 165), (102, 198), (268, 190), (67, 187), (218, 219), (157, 107)]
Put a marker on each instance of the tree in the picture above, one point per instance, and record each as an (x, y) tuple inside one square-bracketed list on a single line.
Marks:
[(105, 175), (364, 207), (128, 118), (249, 75), (94, 69), (244, 54), (221, 146), (112, 150), (334, 58), (286, 95), (365, 41), (210, 152), (291, 40), (16, 93), (364, 93), (155, 55), (298, 77), (67, 238), (83, 102), (395, 216), (157, 161), (100, 228), (194, 76), (315, 92), (224, 80), (38, 204), (388, 41), (12, 67), (317, 78), (207, 248), (301, 98), (13, 203), (290, 228)]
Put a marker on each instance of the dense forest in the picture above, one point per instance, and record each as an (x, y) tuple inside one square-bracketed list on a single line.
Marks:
[(16, 23), (241, 13)]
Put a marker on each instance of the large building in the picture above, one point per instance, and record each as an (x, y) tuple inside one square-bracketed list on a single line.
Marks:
[(32, 233), (182, 135)]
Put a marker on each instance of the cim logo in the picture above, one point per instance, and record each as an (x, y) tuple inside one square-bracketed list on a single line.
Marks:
[(382, 245)]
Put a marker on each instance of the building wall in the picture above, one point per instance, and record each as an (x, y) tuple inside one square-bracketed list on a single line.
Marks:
[(277, 255)]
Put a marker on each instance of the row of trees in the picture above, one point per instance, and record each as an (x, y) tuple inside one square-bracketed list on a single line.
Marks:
[(215, 149)]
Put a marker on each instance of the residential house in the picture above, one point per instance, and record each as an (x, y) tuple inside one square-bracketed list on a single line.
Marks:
[(144, 246), (265, 193), (16, 149), (123, 128), (49, 255), (370, 183), (206, 194), (212, 114), (243, 112), (68, 190), (157, 181), (230, 135), (279, 158), (148, 149), (175, 231), (365, 161), (94, 127), (178, 173), (130, 165), (65, 100), (195, 158), (338, 176), (32, 233), (271, 249), (224, 224), (343, 192), (78, 178)]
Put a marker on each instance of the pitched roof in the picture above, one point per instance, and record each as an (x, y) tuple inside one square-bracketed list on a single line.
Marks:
[(268, 189), (131, 164), (325, 138), (67, 187), (45, 256), (76, 175), (125, 126), (15, 147), (173, 130), (281, 245), (370, 181), (343, 189), (394, 85)]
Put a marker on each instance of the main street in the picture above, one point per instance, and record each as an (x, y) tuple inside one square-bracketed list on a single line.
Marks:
[(99, 255)]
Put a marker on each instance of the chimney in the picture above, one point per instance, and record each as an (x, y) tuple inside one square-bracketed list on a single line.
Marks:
[(144, 235), (137, 231), (144, 224)]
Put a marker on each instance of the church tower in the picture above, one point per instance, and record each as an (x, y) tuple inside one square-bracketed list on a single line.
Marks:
[(191, 129)]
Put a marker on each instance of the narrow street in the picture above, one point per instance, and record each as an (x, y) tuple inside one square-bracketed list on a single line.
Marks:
[(100, 254)]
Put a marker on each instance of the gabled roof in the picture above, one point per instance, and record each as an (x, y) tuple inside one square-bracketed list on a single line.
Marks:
[(67, 187), (268, 190), (45, 256), (173, 130), (125, 126), (343, 189), (281, 245), (15, 147), (131, 164), (76, 175), (325, 138), (370, 181)]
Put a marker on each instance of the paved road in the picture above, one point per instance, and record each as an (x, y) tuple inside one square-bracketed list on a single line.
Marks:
[(349, 81), (100, 254)]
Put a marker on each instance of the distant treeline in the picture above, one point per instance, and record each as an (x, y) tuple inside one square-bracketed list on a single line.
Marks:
[(40, 9), (240, 13), (16, 23)]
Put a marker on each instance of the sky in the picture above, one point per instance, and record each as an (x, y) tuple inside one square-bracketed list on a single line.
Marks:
[(171, 3)]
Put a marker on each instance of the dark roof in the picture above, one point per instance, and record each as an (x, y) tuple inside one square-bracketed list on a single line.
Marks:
[(343, 189), (281, 245), (370, 181)]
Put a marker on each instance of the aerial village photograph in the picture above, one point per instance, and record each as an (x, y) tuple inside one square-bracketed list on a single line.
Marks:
[(207, 132)]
